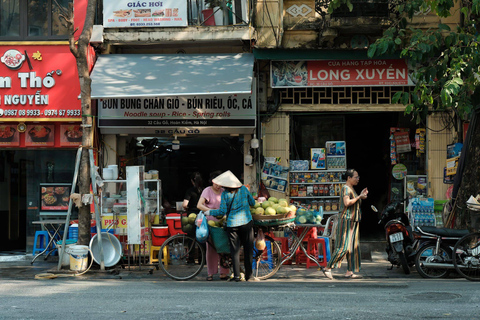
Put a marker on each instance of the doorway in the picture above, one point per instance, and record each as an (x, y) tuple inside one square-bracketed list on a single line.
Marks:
[(367, 149)]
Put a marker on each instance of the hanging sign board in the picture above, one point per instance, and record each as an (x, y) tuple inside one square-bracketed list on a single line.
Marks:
[(340, 73), (152, 13), (186, 114)]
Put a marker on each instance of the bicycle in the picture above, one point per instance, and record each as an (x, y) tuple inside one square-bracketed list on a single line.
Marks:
[(467, 256), (187, 258)]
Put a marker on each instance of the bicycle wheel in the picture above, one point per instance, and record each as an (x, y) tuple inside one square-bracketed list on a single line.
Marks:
[(467, 256), (267, 262), (426, 254), (186, 257)]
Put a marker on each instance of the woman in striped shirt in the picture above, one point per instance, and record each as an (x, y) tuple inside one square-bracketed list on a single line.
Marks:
[(346, 233)]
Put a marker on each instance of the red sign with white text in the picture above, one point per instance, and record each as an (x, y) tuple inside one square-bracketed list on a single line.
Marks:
[(340, 73), (38, 83)]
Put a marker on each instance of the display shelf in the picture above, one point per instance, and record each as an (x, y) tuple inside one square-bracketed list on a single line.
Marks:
[(318, 171), (338, 182)]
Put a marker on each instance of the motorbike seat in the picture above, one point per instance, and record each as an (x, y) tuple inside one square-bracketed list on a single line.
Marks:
[(444, 232)]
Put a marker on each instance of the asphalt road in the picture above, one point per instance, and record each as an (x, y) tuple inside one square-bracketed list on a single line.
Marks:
[(139, 298)]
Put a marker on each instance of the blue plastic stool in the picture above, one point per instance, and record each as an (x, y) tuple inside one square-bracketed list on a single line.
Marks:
[(327, 248), (269, 255), (41, 241)]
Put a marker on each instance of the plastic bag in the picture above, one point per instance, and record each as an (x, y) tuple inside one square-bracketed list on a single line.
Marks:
[(260, 241), (202, 228)]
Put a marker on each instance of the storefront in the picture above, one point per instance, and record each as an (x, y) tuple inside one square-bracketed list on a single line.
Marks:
[(177, 114), (40, 117), (351, 101)]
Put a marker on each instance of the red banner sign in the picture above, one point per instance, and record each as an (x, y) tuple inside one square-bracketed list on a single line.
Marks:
[(38, 82), (342, 73)]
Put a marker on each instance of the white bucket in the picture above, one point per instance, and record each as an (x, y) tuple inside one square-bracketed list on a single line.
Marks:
[(107, 174), (78, 257), (66, 254)]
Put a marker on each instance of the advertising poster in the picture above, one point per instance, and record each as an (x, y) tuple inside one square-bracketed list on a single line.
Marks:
[(399, 171), (402, 141), (274, 176), (9, 136), (317, 158), (131, 14), (70, 135), (40, 135), (328, 73), (335, 148), (54, 197)]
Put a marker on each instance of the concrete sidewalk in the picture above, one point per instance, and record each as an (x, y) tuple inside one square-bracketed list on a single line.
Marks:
[(20, 268)]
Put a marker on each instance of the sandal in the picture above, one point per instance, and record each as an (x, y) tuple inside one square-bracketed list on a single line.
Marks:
[(224, 277), (328, 274), (210, 278)]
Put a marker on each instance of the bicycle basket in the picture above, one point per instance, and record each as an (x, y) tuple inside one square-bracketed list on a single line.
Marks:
[(272, 223), (220, 239)]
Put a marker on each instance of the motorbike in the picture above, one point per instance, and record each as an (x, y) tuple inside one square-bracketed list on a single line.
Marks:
[(434, 258), (401, 243)]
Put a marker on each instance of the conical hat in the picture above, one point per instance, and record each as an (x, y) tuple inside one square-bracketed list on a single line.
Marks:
[(228, 180)]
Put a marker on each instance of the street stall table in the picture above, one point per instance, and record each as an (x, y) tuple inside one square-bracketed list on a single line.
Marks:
[(53, 228)]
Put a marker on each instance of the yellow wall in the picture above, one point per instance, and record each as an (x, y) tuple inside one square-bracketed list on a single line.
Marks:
[(276, 142), (437, 154)]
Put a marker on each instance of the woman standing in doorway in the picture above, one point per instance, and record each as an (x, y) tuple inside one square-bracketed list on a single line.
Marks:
[(210, 199), (192, 195), (347, 230)]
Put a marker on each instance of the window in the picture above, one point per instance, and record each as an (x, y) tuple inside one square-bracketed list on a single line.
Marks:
[(32, 19)]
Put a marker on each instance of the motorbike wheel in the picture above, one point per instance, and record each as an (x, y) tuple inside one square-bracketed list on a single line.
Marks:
[(425, 254), (403, 262), (467, 256)]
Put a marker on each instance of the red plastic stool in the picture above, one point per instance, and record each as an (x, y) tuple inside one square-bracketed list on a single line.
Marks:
[(312, 249), (284, 247)]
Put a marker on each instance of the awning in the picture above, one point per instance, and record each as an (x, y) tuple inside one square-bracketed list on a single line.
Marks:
[(153, 75)]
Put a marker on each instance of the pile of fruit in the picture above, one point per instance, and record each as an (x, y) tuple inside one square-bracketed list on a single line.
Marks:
[(188, 223), (217, 224), (308, 216), (273, 207)]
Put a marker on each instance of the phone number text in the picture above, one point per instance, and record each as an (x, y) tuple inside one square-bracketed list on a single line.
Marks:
[(38, 113)]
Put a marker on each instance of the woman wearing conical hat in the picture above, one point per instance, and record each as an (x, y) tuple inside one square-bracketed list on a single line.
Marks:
[(235, 205)]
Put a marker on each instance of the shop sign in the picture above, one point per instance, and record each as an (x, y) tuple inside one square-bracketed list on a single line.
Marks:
[(340, 73), (38, 82), (149, 13), (179, 111)]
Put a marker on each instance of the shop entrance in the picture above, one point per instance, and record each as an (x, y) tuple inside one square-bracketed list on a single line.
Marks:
[(21, 173), (368, 151), (204, 154), (13, 210)]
